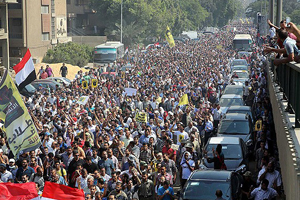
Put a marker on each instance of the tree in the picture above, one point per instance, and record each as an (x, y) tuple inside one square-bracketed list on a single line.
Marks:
[(149, 18), (72, 53), (221, 11)]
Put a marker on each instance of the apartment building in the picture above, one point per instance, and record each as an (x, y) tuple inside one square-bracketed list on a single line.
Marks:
[(4, 39), (82, 19), (36, 25)]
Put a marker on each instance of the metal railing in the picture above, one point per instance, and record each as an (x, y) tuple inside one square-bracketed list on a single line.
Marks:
[(288, 78), (76, 32)]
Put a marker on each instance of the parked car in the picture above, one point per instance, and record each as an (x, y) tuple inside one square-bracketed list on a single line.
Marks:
[(241, 109), (237, 125), (44, 83), (28, 90), (203, 184), (234, 89), (234, 149), (60, 80), (228, 100)]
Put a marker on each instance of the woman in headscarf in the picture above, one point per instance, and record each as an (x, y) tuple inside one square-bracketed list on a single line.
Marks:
[(187, 166), (218, 158)]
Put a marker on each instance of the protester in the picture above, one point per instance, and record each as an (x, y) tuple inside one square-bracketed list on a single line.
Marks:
[(121, 146)]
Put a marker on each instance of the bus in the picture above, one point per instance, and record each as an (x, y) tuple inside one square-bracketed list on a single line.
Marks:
[(242, 42), (108, 53)]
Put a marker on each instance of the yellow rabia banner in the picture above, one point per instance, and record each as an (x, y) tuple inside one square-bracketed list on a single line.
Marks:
[(85, 85), (140, 117), (169, 37), (94, 83), (20, 130)]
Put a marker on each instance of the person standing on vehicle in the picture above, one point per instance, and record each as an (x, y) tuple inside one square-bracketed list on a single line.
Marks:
[(64, 70)]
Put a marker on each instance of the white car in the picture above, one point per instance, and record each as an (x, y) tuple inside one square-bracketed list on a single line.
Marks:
[(228, 100), (242, 77)]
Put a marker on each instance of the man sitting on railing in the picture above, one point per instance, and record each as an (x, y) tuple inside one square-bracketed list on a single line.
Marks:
[(290, 48)]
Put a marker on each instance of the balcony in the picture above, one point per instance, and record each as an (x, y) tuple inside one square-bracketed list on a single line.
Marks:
[(3, 34), (8, 1)]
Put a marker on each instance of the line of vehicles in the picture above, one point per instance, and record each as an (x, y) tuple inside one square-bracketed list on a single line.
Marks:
[(235, 133), (50, 83)]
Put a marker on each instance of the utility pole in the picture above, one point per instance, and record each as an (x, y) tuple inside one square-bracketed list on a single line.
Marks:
[(122, 21), (279, 12), (271, 13)]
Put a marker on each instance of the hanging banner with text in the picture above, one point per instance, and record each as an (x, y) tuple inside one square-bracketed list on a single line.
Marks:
[(20, 130)]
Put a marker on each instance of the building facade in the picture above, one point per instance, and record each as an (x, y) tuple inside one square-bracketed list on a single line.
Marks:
[(83, 20), (4, 39), (36, 25)]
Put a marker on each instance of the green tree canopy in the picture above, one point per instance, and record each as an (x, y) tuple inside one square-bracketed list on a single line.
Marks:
[(72, 53), (149, 18)]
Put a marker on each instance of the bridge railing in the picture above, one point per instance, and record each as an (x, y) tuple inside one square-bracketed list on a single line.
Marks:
[(288, 78)]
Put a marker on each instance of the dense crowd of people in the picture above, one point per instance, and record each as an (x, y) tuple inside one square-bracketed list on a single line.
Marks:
[(100, 146)]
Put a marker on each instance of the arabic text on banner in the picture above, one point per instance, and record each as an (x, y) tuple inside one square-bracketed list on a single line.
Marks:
[(21, 133)]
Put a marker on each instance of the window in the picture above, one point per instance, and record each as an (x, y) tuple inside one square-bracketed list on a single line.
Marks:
[(17, 22), (15, 28), (44, 9), (15, 5), (79, 2), (45, 36)]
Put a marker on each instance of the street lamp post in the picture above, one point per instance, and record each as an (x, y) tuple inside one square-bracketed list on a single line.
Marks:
[(121, 21)]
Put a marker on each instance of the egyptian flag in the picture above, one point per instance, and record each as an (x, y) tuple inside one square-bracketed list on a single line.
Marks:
[(58, 191), (18, 191), (24, 70)]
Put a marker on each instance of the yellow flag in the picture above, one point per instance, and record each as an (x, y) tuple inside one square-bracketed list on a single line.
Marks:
[(169, 37), (141, 117), (85, 85), (123, 75), (19, 127), (94, 83), (184, 100)]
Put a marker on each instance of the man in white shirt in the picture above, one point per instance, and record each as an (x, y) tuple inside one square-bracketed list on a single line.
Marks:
[(272, 175), (4, 174), (208, 129), (181, 134), (48, 142), (217, 113), (263, 192)]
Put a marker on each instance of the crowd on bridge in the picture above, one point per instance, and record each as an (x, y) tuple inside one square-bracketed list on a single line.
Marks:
[(101, 148)]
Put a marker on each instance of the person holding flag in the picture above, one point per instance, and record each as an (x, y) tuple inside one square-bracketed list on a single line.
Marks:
[(169, 37)]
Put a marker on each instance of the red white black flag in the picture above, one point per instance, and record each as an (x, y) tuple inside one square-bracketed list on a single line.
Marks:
[(24, 70)]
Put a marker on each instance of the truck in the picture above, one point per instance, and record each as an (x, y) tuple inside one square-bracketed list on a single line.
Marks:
[(108, 53)]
